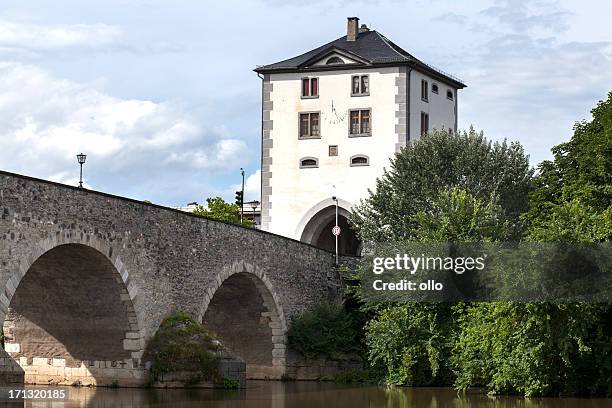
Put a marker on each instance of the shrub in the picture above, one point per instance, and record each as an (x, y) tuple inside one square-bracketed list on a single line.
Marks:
[(326, 331), (413, 342), (182, 344)]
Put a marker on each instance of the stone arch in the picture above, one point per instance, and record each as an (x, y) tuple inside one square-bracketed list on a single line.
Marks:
[(69, 369), (315, 227), (270, 314)]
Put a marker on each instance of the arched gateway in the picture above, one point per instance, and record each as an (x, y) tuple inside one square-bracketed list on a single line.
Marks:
[(86, 279), (316, 228)]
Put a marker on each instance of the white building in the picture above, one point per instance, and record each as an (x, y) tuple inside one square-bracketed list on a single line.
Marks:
[(331, 120)]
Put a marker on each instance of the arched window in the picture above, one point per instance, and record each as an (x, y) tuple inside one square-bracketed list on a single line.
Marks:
[(449, 94), (334, 61), (308, 163), (360, 160), (434, 88)]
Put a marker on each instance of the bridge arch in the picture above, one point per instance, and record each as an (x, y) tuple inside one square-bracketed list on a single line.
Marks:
[(244, 311), (68, 312)]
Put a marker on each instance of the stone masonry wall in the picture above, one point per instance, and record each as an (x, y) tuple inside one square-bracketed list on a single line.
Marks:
[(164, 260)]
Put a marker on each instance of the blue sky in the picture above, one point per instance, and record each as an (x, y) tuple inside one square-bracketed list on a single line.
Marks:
[(162, 97)]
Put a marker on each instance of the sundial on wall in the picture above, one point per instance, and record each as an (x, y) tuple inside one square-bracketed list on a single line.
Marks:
[(335, 117)]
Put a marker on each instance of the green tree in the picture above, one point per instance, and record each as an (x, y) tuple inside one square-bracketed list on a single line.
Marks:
[(542, 348), (219, 209), (414, 341), (439, 162), (572, 199), (456, 215)]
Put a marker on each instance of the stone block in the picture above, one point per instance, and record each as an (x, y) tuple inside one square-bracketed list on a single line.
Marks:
[(131, 344), (40, 362), (59, 362), (12, 347)]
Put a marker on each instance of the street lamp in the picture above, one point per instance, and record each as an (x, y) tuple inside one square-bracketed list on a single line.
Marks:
[(254, 205), (335, 199), (81, 159)]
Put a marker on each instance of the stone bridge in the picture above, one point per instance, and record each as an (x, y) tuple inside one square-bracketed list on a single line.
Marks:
[(87, 277)]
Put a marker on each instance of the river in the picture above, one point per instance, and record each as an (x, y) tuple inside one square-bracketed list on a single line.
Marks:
[(260, 394)]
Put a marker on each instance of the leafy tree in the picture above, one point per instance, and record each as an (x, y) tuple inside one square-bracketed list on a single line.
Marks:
[(438, 162), (543, 348), (456, 215), (219, 209), (415, 341), (573, 192)]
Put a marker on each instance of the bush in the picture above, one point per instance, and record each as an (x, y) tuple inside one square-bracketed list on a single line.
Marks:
[(535, 348), (182, 344), (413, 342), (326, 331)]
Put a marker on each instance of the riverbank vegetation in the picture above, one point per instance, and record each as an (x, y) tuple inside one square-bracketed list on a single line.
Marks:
[(463, 187), (183, 345)]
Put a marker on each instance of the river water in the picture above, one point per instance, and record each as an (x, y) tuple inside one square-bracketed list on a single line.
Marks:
[(261, 394)]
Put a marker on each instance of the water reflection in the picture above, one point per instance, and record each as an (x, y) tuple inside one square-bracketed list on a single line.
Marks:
[(260, 394)]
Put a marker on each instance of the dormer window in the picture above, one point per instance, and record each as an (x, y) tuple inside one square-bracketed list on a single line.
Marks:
[(360, 85), (334, 61), (309, 163), (360, 160), (310, 87)]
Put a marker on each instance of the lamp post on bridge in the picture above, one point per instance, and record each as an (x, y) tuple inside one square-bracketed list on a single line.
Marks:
[(81, 160)]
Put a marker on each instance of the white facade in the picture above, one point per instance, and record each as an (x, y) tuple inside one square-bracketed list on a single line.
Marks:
[(291, 194)]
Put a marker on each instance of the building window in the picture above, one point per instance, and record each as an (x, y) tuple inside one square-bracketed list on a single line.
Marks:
[(449, 94), (360, 85), (424, 90), (309, 125), (360, 160), (434, 88), (424, 123), (309, 163), (333, 150), (450, 131), (334, 61), (360, 122), (310, 87)]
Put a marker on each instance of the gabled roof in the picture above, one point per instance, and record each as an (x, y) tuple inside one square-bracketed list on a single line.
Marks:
[(370, 48)]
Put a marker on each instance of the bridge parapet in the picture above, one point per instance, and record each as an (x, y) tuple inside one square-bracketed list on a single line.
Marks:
[(112, 267)]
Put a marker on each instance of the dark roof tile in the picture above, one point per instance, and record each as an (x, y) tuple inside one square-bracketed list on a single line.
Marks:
[(371, 46)]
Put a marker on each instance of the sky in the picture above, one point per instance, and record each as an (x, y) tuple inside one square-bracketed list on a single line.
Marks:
[(162, 98)]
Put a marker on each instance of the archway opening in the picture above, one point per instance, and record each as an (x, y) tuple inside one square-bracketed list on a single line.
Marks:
[(70, 309), (318, 232), (243, 316)]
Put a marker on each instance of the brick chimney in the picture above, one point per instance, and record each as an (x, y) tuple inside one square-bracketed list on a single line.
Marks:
[(352, 28)]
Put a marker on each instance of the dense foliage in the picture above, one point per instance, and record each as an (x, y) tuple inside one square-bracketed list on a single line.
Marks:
[(449, 188), (219, 209), (488, 171), (326, 331), (573, 194), (182, 344), (542, 348)]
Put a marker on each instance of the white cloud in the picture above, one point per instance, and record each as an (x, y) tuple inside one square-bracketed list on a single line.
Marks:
[(27, 37), (46, 121), (252, 186)]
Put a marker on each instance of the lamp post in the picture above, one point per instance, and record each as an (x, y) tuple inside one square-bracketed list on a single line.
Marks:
[(81, 160), (336, 224), (254, 205)]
